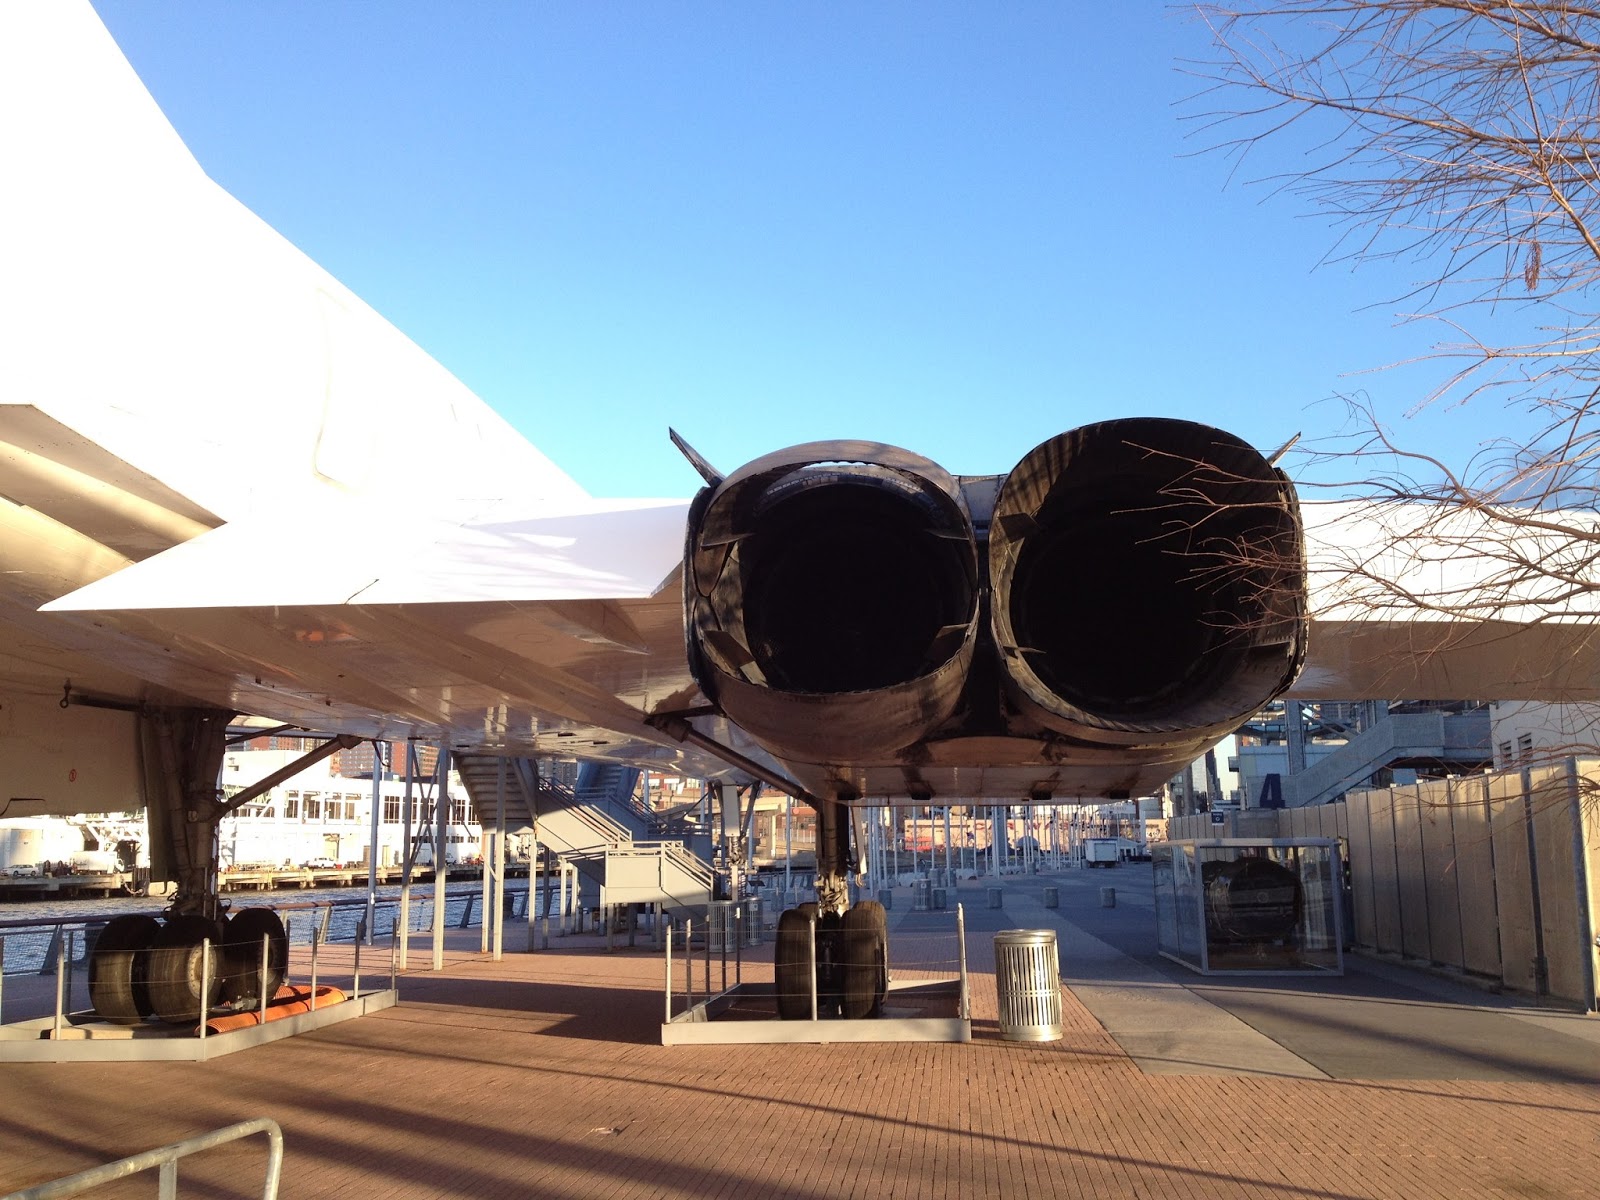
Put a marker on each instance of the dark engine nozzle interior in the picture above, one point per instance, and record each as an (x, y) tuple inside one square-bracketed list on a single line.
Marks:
[(1252, 900), (832, 595), (1148, 579)]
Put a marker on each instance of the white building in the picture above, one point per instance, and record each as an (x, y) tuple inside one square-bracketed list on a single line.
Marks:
[(29, 841), (317, 815), (1526, 731)]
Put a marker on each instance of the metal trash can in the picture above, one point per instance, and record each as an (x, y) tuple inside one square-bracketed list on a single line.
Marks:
[(940, 898), (1052, 897), (719, 926), (1108, 897), (920, 895), (753, 933), (1027, 976), (886, 898), (994, 897)]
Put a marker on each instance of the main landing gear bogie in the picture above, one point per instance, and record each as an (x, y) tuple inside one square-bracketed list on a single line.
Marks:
[(852, 957), (140, 967)]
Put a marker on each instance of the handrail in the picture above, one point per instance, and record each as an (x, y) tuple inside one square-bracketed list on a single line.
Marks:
[(166, 1158), (676, 851)]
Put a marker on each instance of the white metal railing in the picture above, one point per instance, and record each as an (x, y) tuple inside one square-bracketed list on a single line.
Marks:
[(165, 1159), (683, 858)]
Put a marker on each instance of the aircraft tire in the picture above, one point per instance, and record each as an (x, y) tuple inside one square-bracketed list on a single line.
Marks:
[(864, 942), (830, 964), (241, 940), (119, 969), (175, 966), (790, 961)]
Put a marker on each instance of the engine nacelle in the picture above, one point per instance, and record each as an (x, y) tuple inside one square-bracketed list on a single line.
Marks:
[(832, 599), (1149, 584), (1140, 592)]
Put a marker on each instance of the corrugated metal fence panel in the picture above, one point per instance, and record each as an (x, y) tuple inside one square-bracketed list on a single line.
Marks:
[(1298, 822), (1411, 873), (1389, 934), (1556, 832), (1480, 932), (1361, 869), (1439, 858), (1513, 882), (1257, 823), (1589, 818)]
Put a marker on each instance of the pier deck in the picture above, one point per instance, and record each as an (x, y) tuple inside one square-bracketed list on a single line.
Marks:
[(542, 1075)]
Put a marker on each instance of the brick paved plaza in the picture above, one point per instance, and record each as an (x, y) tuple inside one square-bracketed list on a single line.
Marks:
[(541, 1075)]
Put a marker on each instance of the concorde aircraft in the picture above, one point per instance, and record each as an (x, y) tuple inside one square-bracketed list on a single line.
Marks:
[(205, 439)]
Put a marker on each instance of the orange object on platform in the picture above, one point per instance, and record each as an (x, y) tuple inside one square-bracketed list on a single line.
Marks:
[(287, 1003)]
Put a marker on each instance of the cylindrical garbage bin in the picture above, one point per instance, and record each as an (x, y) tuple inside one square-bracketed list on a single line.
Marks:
[(1027, 977), (1052, 897), (939, 898), (994, 897), (719, 926), (753, 933), (1108, 897)]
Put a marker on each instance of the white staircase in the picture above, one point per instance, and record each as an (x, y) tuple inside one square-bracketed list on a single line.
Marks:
[(581, 830)]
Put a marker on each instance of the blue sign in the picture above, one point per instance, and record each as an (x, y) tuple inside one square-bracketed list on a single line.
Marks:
[(1218, 818)]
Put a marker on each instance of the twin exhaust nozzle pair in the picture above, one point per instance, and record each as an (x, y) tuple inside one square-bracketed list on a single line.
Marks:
[(1138, 582)]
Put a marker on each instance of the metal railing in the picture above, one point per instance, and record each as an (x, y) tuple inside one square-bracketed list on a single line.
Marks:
[(937, 956), (165, 1159), (33, 951)]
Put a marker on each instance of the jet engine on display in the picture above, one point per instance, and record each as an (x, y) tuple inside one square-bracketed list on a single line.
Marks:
[(1082, 627)]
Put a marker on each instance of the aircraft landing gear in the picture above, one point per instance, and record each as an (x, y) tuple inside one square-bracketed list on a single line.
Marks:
[(852, 941), (140, 967)]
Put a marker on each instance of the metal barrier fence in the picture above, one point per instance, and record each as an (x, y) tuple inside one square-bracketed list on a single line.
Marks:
[(44, 964), (865, 970), (165, 1160)]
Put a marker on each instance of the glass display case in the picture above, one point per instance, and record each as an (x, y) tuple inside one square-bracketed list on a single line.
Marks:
[(1261, 906)]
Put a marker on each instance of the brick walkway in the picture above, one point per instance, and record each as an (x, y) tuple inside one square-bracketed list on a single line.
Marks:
[(540, 1076)]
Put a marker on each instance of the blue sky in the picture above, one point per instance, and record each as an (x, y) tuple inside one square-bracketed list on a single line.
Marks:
[(959, 228)]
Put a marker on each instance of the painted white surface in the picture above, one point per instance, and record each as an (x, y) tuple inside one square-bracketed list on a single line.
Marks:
[(146, 308)]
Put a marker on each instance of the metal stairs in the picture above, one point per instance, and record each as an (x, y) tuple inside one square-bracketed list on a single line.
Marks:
[(1398, 739), (593, 828)]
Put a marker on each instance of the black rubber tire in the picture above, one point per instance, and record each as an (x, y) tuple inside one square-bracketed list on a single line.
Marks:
[(790, 963), (119, 969), (830, 965), (241, 941), (864, 947), (175, 963)]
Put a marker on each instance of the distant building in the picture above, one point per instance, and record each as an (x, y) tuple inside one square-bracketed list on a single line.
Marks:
[(1524, 732), (356, 762), (320, 814)]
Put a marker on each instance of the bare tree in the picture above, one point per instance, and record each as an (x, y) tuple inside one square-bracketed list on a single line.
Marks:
[(1460, 137), (1460, 141)]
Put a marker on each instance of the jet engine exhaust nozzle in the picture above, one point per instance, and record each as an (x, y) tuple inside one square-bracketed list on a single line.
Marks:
[(832, 598), (1148, 582)]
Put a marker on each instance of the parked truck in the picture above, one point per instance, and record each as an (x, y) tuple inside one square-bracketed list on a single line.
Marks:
[(1102, 852)]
